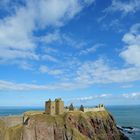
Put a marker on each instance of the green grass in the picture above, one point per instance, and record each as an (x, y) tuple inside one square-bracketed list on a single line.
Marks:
[(14, 133), (2, 129)]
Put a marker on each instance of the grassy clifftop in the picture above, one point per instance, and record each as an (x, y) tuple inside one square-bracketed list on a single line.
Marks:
[(2, 129), (74, 125)]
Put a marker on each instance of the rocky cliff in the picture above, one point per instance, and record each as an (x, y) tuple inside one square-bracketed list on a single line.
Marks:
[(74, 125)]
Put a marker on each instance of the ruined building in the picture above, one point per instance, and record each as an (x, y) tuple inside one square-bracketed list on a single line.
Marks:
[(54, 107)]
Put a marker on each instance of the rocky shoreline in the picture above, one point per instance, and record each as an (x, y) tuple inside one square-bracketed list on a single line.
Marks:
[(127, 130)]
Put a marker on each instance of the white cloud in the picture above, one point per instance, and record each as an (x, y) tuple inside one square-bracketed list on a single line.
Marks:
[(91, 49), (8, 85), (131, 53), (126, 7), (61, 38), (127, 86), (115, 25), (134, 95), (51, 38), (45, 69), (49, 58), (53, 12), (15, 35), (83, 75), (96, 96), (50, 50), (9, 54), (24, 65), (87, 74), (99, 72), (16, 30)]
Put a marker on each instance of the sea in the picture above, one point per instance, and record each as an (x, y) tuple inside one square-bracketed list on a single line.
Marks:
[(128, 116)]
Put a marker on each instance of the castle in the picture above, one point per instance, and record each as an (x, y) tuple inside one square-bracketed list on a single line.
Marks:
[(54, 107), (57, 107)]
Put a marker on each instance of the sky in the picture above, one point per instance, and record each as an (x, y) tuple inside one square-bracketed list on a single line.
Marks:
[(84, 51)]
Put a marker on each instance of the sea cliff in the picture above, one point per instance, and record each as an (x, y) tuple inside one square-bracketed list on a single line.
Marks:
[(72, 125)]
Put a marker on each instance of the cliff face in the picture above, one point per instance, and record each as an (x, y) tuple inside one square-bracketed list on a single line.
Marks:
[(69, 126)]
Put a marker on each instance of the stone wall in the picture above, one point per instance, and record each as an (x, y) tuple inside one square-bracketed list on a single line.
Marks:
[(94, 109)]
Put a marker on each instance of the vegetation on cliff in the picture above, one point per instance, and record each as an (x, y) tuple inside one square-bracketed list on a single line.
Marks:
[(72, 125)]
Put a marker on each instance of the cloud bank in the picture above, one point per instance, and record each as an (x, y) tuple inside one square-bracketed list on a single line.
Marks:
[(17, 39)]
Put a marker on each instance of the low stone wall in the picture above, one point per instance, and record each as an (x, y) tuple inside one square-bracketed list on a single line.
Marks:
[(94, 109)]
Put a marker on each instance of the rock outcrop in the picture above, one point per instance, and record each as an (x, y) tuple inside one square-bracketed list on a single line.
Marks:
[(73, 125)]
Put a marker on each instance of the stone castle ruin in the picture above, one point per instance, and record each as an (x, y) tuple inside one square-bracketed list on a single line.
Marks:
[(54, 107), (57, 107)]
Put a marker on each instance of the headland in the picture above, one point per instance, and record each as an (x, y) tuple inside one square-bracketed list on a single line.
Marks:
[(58, 122)]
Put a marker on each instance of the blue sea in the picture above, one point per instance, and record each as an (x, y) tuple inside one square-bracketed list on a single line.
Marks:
[(127, 116), (124, 116)]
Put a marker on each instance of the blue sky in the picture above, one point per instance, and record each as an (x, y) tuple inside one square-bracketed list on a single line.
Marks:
[(84, 51)]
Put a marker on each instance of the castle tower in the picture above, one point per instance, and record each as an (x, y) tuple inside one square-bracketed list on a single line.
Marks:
[(59, 106), (50, 107)]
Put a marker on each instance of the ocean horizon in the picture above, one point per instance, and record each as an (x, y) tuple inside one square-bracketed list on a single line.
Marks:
[(125, 115)]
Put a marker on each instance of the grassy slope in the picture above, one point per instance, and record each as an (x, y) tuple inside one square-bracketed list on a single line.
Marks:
[(14, 133), (2, 129)]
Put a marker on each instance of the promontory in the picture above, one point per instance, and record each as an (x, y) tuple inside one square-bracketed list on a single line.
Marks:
[(58, 124)]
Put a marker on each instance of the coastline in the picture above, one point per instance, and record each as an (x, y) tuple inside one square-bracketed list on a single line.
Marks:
[(124, 116), (43, 121)]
